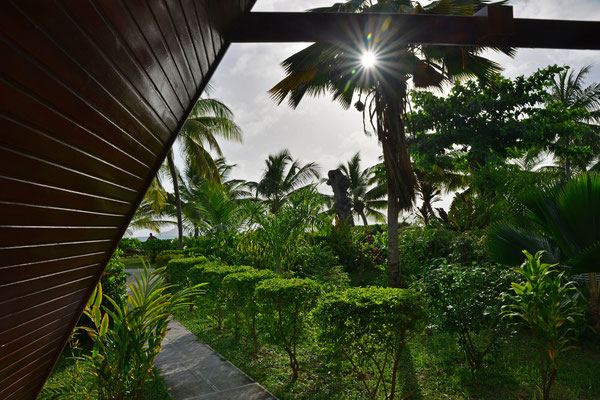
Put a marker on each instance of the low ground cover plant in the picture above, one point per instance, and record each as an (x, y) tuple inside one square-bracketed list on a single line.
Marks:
[(369, 328)]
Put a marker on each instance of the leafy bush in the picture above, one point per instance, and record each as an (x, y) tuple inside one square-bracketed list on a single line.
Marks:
[(213, 273), (548, 308), (114, 278), (153, 247), (127, 340), (130, 246), (163, 258), (369, 327), (466, 301), (177, 269), (284, 304), (239, 288), (321, 264)]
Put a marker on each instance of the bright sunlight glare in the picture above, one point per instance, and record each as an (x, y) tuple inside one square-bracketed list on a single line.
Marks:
[(368, 59)]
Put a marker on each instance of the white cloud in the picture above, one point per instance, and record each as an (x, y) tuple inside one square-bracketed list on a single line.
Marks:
[(320, 130)]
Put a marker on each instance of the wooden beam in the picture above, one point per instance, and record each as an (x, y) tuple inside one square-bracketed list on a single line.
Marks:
[(492, 26)]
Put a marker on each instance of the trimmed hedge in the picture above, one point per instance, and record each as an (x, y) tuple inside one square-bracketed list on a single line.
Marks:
[(165, 256), (178, 269), (370, 326), (213, 273), (239, 288), (284, 304)]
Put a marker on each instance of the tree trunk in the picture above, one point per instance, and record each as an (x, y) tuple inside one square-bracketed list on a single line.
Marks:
[(364, 218), (568, 168), (393, 278), (400, 177), (173, 172)]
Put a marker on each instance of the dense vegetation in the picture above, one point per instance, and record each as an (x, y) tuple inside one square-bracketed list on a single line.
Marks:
[(494, 297)]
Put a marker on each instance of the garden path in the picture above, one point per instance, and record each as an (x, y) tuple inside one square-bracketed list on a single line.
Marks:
[(194, 371)]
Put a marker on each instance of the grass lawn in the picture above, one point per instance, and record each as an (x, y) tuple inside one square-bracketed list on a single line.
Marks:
[(134, 262), (64, 373), (433, 367)]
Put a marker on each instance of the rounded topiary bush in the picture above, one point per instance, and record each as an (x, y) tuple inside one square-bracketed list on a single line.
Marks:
[(240, 293), (178, 269), (165, 256), (369, 327), (213, 273), (284, 305)]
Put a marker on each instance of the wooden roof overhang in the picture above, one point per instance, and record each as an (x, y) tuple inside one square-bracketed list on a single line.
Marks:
[(92, 96)]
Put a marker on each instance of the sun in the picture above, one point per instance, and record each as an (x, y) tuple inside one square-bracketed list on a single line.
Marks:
[(368, 59)]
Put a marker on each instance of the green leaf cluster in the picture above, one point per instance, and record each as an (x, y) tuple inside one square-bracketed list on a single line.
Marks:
[(548, 308), (284, 305), (369, 327), (177, 269), (127, 339)]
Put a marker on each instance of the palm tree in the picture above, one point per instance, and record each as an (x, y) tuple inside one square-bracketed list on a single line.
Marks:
[(568, 217), (568, 90), (282, 176), (337, 68), (208, 120), (365, 201)]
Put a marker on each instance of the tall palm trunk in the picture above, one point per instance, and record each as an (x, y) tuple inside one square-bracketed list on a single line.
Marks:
[(359, 207), (398, 169), (173, 172)]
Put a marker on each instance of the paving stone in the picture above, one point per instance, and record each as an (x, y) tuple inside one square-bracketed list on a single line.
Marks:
[(249, 392), (194, 371)]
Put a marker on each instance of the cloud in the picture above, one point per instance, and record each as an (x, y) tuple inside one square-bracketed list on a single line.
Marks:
[(320, 130)]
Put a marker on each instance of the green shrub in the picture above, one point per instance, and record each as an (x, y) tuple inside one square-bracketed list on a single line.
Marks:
[(466, 301), (177, 270), (284, 305), (239, 288), (130, 246), (213, 273), (549, 309), (369, 328), (114, 278), (127, 340), (321, 264), (153, 247), (163, 258)]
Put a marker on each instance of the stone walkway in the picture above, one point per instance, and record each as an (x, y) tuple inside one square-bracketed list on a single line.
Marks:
[(194, 371)]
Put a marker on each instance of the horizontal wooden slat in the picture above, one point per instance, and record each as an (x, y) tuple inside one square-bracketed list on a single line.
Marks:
[(28, 300), (19, 213), (27, 361), (53, 50), (33, 269), (73, 179), (23, 316), (19, 137), (37, 253), (26, 106), (33, 339), (10, 333), (30, 75), (19, 191)]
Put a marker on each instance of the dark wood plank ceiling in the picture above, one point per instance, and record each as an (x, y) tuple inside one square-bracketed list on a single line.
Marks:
[(92, 93)]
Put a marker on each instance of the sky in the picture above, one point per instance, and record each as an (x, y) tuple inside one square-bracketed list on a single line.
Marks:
[(321, 130)]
